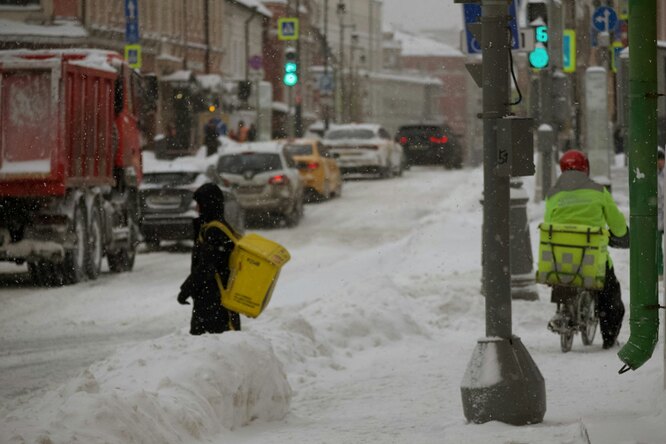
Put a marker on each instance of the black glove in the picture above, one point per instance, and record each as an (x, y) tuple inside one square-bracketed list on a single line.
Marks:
[(182, 298), (619, 242)]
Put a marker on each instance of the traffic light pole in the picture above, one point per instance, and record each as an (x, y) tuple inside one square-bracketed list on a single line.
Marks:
[(502, 382)]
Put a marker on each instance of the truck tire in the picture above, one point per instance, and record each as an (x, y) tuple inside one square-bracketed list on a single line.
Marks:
[(123, 259), (73, 267), (94, 251)]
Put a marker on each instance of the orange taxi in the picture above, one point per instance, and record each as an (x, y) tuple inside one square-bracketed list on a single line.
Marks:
[(317, 166)]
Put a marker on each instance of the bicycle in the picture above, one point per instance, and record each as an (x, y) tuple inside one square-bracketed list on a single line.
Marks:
[(576, 313)]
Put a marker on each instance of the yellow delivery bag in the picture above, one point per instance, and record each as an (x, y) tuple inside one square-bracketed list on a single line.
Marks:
[(255, 265), (572, 255)]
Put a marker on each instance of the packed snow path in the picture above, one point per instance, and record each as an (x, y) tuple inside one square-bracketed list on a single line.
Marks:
[(371, 325)]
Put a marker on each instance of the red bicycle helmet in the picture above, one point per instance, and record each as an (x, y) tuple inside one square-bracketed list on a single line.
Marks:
[(575, 160)]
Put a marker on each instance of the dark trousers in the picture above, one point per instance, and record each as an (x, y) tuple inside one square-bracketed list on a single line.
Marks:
[(610, 307)]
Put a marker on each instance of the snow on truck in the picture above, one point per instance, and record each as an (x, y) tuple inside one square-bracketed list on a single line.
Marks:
[(70, 162)]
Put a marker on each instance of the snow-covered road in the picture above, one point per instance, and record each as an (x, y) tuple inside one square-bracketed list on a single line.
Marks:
[(371, 325)]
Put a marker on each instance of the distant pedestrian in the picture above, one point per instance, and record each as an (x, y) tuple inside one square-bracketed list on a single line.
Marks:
[(210, 256), (242, 132), (252, 133), (211, 136)]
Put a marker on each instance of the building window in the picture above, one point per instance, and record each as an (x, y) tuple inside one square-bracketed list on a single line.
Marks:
[(19, 2)]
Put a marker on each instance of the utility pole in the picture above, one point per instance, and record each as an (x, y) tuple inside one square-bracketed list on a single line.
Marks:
[(502, 382), (247, 52), (298, 112), (340, 83), (206, 9), (326, 54)]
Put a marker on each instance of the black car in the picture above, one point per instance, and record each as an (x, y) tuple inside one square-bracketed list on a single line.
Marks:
[(425, 144), (166, 195)]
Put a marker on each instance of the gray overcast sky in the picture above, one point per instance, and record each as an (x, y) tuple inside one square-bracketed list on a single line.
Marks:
[(423, 14)]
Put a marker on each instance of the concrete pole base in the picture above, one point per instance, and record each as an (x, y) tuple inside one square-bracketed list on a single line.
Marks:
[(503, 383)]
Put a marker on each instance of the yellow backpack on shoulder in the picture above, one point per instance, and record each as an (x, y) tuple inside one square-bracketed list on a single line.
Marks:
[(255, 265), (572, 255)]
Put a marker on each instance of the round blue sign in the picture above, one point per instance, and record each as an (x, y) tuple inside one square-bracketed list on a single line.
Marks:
[(604, 19)]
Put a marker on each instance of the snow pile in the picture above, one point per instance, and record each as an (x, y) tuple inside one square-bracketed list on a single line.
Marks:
[(172, 389)]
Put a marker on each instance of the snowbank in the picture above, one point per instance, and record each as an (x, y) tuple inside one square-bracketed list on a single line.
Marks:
[(169, 390)]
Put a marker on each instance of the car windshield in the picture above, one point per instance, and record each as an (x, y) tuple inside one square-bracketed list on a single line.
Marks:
[(297, 150), (350, 133), (256, 162), (170, 178)]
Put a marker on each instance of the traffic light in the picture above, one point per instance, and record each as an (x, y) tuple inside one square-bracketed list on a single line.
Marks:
[(290, 67), (539, 56), (537, 15)]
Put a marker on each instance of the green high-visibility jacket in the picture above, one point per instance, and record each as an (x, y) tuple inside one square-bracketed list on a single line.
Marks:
[(577, 199)]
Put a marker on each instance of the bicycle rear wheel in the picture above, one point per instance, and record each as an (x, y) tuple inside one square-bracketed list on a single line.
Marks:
[(587, 316)]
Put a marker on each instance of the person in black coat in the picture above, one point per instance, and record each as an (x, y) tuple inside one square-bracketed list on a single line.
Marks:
[(210, 255)]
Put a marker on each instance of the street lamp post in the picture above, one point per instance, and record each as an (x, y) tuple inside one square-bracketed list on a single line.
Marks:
[(340, 84)]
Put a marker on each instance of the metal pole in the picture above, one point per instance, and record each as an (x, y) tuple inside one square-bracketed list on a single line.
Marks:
[(516, 394), (206, 10), (299, 102), (496, 191), (247, 52), (325, 106), (341, 62)]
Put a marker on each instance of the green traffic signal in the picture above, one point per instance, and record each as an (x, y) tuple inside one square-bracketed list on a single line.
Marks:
[(290, 73), (290, 78), (539, 57)]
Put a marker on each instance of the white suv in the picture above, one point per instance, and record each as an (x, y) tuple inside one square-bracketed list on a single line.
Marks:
[(365, 149)]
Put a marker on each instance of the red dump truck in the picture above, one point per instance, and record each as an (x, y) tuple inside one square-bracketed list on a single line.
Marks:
[(70, 162)]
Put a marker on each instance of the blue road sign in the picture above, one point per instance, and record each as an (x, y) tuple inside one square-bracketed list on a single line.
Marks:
[(131, 21), (513, 24), (472, 14), (604, 19)]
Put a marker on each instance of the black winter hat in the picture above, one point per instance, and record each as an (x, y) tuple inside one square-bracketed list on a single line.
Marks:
[(211, 202)]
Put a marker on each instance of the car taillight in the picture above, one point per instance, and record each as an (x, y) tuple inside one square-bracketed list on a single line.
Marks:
[(369, 147), (279, 179), (403, 140), (312, 165), (435, 139)]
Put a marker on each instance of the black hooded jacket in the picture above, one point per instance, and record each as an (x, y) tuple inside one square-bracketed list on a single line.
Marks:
[(210, 255)]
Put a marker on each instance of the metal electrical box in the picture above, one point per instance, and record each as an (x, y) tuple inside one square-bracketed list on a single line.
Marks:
[(515, 147)]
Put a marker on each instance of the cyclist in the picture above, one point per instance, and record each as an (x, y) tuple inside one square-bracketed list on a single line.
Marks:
[(577, 199)]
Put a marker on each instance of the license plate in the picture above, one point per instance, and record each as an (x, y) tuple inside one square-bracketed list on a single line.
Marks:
[(164, 200)]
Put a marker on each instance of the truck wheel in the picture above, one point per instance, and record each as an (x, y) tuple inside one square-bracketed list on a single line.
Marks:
[(73, 267), (123, 259), (38, 274), (95, 244)]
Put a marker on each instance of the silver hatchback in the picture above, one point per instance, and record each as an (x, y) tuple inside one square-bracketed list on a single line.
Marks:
[(264, 180)]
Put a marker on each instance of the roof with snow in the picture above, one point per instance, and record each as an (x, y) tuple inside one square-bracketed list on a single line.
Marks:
[(261, 9), (416, 45), (58, 30)]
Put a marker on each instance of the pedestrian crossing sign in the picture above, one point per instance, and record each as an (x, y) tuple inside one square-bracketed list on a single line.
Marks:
[(133, 55), (288, 28)]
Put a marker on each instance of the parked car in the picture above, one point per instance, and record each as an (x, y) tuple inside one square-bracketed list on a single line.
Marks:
[(264, 180), (365, 149), (317, 166), (430, 144), (166, 197)]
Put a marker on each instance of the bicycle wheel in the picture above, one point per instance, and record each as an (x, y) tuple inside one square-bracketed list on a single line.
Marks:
[(587, 316), (566, 336), (566, 341)]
